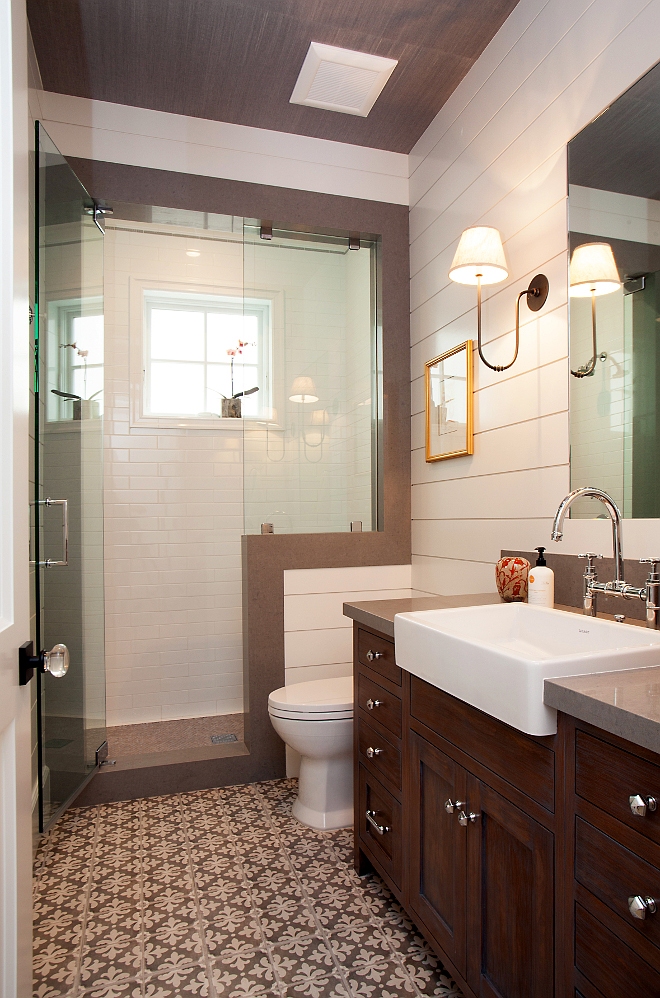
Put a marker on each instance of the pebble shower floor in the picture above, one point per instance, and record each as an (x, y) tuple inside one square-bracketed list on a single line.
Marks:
[(217, 893)]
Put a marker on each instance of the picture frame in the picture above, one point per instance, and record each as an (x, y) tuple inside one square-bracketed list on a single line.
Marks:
[(449, 404)]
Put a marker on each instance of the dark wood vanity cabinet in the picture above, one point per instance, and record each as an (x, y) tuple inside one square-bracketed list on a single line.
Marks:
[(517, 857), (613, 856), (457, 813)]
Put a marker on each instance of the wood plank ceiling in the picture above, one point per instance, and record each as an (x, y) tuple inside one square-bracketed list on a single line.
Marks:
[(238, 62)]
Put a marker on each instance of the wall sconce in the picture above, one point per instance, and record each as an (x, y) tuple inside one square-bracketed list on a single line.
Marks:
[(592, 271), (479, 259), (303, 390)]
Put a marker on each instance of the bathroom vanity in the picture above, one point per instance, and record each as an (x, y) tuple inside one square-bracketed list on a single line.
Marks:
[(515, 855)]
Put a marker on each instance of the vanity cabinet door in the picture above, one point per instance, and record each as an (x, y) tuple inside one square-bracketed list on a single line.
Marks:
[(437, 847), (510, 899)]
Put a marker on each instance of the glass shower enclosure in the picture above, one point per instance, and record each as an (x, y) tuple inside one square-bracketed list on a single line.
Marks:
[(67, 502), (313, 432)]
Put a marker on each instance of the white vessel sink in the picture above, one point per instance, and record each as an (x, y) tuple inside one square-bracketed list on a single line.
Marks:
[(497, 657)]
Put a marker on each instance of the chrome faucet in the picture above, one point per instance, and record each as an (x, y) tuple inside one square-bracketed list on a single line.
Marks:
[(650, 593)]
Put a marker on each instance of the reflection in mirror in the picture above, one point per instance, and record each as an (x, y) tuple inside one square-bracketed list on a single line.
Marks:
[(614, 314)]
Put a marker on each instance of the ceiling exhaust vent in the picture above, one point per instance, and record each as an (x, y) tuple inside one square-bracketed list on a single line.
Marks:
[(341, 80)]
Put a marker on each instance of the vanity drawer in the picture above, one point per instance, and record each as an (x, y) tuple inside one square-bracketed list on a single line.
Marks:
[(382, 835), (609, 964), (519, 759), (608, 776), (378, 654), (384, 707), (613, 874), (377, 752)]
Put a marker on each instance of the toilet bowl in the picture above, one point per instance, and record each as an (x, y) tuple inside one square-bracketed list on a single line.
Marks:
[(316, 719)]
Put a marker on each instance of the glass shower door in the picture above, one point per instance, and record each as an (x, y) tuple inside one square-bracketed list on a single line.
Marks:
[(68, 480), (313, 430)]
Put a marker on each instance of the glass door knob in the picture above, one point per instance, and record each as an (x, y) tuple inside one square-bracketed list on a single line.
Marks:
[(56, 661)]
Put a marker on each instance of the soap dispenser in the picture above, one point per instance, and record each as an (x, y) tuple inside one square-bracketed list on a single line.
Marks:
[(541, 585)]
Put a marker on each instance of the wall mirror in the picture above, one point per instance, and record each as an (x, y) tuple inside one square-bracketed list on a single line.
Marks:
[(614, 304)]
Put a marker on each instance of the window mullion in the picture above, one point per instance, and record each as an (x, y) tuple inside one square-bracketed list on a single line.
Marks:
[(206, 354)]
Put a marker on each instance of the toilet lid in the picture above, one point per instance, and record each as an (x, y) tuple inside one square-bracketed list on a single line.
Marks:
[(321, 696)]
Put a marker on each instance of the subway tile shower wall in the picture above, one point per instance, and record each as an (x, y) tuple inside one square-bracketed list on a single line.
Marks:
[(176, 497), (173, 522)]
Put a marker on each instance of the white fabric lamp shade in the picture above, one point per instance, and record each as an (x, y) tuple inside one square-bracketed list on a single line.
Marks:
[(593, 271), (479, 254), (303, 390)]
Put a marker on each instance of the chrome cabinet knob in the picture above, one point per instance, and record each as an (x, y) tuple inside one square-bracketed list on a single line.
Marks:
[(464, 819), (371, 752), (639, 804), (640, 907), (56, 661), (372, 656), (373, 703), (451, 804)]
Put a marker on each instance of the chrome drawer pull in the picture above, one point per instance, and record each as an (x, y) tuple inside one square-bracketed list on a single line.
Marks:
[(464, 818), (371, 752), (374, 703), (371, 818), (451, 804), (639, 804), (373, 655), (640, 907)]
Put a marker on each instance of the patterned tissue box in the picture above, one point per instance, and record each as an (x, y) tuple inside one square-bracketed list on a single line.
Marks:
[(511, 577)]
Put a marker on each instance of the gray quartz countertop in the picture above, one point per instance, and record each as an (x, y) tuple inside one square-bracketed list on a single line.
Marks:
[(625, 703), (379, 614)]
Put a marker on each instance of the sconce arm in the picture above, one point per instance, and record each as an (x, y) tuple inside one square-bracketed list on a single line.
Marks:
[(536, 293), (584, 372)]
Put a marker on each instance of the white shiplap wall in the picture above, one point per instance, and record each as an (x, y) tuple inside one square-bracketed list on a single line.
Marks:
[(318, 638), (496, 155)]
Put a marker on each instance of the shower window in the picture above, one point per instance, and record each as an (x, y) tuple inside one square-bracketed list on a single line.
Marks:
[(201, 349)]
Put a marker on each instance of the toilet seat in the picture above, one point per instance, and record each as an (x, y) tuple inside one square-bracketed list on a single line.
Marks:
[(318, 700)]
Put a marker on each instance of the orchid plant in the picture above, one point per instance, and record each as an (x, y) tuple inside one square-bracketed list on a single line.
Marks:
[(233, 352)]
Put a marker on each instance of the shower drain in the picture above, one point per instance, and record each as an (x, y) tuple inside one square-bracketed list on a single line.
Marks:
[(219, 739)]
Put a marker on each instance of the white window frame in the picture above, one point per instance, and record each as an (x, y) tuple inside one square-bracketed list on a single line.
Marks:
[(60, 331), (144, 293)]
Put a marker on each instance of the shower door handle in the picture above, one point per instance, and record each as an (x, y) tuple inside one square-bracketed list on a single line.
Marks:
[(64, 503)]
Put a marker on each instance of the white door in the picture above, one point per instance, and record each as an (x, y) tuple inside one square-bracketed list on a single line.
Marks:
[(15, 741)]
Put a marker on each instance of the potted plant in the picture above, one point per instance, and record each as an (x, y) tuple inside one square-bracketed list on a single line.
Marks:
[(231, 407)]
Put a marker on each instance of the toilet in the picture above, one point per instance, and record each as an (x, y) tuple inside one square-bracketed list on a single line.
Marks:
[(316, 720)]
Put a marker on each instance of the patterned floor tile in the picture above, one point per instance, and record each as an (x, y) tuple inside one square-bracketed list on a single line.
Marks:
[(113, 983), (218, 894)]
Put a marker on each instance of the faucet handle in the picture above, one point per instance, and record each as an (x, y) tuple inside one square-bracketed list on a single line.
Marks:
[(653, 562), (591, 557)]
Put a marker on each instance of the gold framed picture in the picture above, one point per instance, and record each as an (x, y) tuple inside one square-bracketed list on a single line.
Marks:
[(449, 404)]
